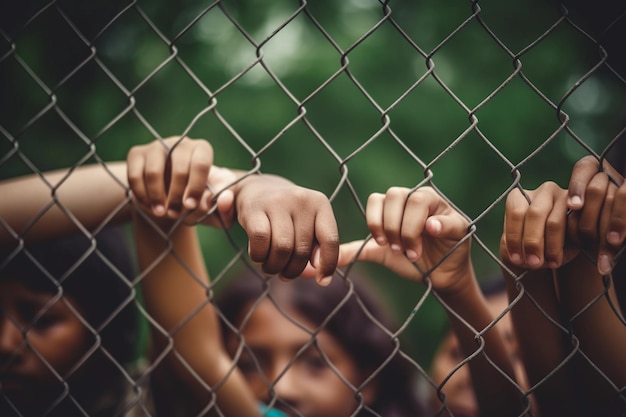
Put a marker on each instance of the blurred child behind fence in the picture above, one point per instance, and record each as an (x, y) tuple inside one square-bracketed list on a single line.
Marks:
[(187, 351), (74, 305), (460, 396), (429, 232)]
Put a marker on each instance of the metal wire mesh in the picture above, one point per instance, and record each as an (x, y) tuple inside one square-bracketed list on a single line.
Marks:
[(349, 98)]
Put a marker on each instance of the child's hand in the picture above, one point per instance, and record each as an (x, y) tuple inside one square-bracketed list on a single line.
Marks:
[(286, 224), (171, 184), (599, 210), (534, 234), (420, 227)]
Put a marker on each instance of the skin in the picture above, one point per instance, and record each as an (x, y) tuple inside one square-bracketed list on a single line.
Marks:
[(308, 386), (418, 227), (544, 244), (173, 185), (285, 223), (56, 341), (597, 194), (460, 396)]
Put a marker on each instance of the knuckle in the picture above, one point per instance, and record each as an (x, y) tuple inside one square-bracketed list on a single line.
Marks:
[(533, 213), (134, 182), (330, 241), (416, 197), (303, 197), (512, 239), (587, 230), (397, 192), (532, 244), (516, 214), (549, 185), (152, 174), (620, 193), (203, 166), (259, 236), (301, 253), (553, 225), (596, 188), (588, 161), (407, 237), (375, 197), (552, 253), (179, 175), (282, 247), (132, 153)]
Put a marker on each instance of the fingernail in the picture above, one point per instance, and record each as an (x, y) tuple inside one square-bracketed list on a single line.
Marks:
[(395, 247), (381, 241), (553, 265), (172, 213), (158, 210), (324, 281), (516, 258), (436, 226), (190, 203), (613, 238), (604, 264), (575, 201), (411, 254), (533, 260)]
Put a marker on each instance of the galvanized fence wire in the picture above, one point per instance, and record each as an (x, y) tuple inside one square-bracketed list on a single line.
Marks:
[(24, 24)]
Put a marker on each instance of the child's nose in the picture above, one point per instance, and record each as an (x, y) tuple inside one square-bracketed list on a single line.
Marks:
[(287, 387), (11, 337)]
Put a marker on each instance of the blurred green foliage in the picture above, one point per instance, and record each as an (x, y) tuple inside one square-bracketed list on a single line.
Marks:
[(80, 79)]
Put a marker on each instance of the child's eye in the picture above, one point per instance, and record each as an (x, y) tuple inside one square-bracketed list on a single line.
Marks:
[(27, 316), (46, 321), (30, 316), (247, 365), (314, 362), (457, 354)]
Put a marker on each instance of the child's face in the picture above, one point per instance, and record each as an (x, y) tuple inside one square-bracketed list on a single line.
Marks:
[(308, 384), (54, 343)]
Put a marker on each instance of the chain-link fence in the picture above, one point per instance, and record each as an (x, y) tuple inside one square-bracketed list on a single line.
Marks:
[(473, 98)]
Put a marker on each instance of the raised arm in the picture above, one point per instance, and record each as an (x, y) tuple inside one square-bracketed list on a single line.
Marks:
[(37, 207), (421, 227), (526, 254), (587, 284), (285, 223), (568, 285)]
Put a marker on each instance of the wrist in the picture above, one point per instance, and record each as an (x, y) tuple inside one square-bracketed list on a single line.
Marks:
[(462, 283)]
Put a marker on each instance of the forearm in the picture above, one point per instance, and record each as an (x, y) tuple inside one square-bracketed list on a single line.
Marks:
[(175, 293), (495, 393), (540, 340), (35, 208), (599, 330)]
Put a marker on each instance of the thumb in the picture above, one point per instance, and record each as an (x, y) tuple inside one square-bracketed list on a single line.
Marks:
[(447, 226), (360, 250), (309, 271), (226, 205)]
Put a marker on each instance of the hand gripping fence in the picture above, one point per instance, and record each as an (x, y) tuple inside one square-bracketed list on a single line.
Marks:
[(473, 98)]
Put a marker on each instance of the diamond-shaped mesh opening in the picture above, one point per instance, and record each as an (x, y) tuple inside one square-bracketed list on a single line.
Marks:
[(353, 99)]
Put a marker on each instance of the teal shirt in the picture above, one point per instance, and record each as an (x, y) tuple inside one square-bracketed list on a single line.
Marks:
[(272, 412)]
